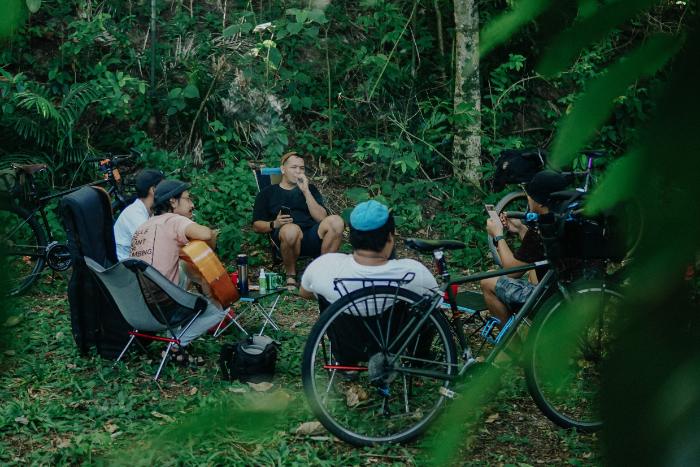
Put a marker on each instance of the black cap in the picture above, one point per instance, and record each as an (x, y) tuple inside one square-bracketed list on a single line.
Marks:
[(169, 189), (145, 179), (543, 184)]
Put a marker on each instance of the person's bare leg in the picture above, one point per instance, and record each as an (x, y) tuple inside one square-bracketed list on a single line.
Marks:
[(330, 231), (494, 305), (290, 247)]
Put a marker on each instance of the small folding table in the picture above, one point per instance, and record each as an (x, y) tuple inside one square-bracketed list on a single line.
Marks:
[(262, 303)]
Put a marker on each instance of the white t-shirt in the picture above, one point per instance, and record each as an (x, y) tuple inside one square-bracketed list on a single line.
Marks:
[(319, 275), (128, 221)]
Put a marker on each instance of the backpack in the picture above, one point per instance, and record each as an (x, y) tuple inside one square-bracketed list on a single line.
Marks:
[(517, 166), (252, 359)]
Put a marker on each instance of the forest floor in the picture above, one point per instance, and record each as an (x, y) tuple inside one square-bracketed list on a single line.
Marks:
[(61, 408)]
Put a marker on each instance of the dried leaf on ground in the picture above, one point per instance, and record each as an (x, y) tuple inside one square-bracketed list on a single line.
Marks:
[(354, 395), (110, 427), (193, 391), (309, 428), (238, 390), (22, 420), (261, 387), (167, 418), (492, 418)]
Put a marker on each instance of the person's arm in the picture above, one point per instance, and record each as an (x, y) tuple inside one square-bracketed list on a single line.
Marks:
[(317, 211), (196, 231), (303, 293), (262, 226), (508, 260)]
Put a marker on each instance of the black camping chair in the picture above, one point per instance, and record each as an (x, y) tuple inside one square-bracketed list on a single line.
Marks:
[(264, 177), (86, 215), (149, 302)]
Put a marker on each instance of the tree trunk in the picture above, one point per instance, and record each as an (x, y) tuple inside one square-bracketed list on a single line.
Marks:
[(467, 97)]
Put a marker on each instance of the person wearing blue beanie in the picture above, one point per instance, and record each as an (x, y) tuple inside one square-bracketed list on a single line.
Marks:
[(372, 236)]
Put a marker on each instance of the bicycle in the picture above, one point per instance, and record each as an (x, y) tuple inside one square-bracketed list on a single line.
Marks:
[(27, 242), (381, 361), (516, 201)]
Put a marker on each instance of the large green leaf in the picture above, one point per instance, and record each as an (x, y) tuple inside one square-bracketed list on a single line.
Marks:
[(502, 27), (594, 106), (565, 48)]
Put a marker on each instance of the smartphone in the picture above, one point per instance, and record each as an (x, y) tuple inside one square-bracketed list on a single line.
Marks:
[(491, 210), (286, 211)]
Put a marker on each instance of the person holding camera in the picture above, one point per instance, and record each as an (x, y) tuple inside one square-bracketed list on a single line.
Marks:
[(293, 213)]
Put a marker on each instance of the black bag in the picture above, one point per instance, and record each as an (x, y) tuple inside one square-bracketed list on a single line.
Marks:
[(517, 166), (252, 359)]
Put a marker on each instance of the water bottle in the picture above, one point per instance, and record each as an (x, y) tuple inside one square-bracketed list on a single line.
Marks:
[(242, 262), (262, 281)]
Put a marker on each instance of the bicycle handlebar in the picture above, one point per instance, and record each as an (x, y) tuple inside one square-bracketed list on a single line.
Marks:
[(115, 159)]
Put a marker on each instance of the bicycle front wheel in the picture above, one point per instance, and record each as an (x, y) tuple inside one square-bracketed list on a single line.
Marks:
[(23, 248), (368, 377), (569, 346)]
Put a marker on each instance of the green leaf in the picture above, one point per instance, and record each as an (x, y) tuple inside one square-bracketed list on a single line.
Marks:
[(318, 16), (241, 28), (33, 5), (175, 93), (191, 91), (567, 46), (357, 195), (618, 183), (504, 26), (594, 106), (294, 28)]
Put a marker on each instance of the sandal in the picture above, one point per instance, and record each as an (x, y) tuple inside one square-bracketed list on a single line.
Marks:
[(291, 282)]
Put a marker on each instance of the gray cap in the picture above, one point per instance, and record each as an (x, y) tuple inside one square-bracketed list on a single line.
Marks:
[(169, 189)]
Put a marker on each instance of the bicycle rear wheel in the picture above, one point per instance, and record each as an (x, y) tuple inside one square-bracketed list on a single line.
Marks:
[(569, 346), (22, 248), (366, 379)]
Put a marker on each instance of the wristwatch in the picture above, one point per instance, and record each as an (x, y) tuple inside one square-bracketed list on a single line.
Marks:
[(272, 225), (497, 239)]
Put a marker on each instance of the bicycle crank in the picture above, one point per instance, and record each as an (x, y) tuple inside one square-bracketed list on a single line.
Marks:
[(58, 256)]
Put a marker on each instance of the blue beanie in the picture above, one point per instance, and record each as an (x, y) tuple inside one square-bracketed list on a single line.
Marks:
[(369, 215)]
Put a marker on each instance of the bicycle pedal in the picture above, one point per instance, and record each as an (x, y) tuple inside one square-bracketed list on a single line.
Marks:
[(488, 329), (449, 393), (505, 328)]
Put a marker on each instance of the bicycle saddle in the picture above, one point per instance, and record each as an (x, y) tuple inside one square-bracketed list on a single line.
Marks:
[(427, 246), (29, 169)]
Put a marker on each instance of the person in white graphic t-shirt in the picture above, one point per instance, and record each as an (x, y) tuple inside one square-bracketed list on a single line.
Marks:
[(372, 232)]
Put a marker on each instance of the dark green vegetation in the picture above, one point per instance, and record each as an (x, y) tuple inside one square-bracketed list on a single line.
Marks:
[(59, 408), (366, 89)]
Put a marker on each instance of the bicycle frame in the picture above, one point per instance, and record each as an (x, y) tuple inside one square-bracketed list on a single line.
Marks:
[(549, 280)]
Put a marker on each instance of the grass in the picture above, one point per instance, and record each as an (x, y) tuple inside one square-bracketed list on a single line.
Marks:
[(60, 408)]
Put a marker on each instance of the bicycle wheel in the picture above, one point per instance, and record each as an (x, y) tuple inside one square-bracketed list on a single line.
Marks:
[(515, 201), (569, 346), (22, 246), (367, 380)]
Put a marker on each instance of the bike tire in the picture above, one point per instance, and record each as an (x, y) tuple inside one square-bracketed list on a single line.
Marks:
[(397, 406), (567, 350), (514, 201), (23, 247)]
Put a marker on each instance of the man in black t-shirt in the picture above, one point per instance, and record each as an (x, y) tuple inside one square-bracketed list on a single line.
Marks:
[(293, 213), (505, 295)]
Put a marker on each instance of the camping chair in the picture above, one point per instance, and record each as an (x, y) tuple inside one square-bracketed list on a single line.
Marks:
[(149, 302), (264, 177)]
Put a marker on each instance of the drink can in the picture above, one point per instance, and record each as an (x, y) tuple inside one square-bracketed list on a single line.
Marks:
[(242, 262)]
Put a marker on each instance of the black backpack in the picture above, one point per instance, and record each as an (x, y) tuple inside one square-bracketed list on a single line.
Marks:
[(252, 359), (517, 166)]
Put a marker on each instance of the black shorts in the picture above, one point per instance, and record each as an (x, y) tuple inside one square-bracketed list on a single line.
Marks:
[(310, 242)]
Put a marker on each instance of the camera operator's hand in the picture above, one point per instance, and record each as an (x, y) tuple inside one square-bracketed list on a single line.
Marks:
[(494, 228)]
